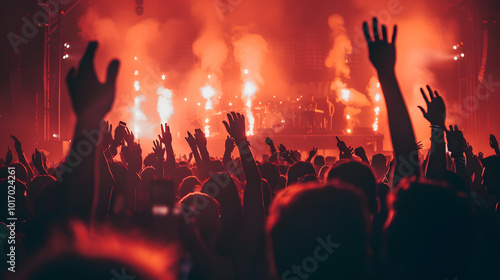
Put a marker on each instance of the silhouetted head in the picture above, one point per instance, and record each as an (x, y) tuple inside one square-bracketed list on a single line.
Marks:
[(189, 184), (319, 161), (379, 164), (148, 174), (431, 232), (329, 160), (318, 232), (203, 212), (21, 172), (150, 160), (298, 170), (180, 173), (360, 175), (271, 173), (34, 188)]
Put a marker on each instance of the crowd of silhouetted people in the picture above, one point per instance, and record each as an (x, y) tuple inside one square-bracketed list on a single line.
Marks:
[(106, 212)]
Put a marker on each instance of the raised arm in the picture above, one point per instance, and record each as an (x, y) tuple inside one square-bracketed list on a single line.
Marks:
[(457, 146), (91, 101), (228, 150), (383, 57), (312, 153), (361, 153), (274, 153), (201, 142), (494, 144), (436, 115), (20, 155), (166, 139), (253, 204), (36, 158), (344, 151)]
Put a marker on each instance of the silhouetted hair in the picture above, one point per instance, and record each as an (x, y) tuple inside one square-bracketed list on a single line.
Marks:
[(319, 230)]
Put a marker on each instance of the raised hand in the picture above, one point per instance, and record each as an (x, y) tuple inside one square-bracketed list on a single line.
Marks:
[(200, 138), (133, 157), (38, 162), (129, 137), (282, 148), (191, 141), (382, 53), (158, 150), (420, 146), (235, 126), (456, 142), (360, 152), (166, 136), (91, 99), (269, 141), (8, 157), (17, 144), (345, 152), (341, 144), (313, 152), (494, 144), (436, 110), (229, 144)]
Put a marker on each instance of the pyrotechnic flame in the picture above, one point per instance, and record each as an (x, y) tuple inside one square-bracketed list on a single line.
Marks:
[(164, 106), (345, 94), (207, 130), (208, 92), (249, 90), (249, 52), (137, 115)]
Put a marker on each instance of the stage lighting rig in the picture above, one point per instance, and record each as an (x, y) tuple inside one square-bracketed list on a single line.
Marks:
[(459, 51)]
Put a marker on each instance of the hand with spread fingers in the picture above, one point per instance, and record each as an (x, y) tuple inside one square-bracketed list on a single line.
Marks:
[(191, 141), (436, 109), (91, 99), (235, 126), (230, 144), (9, 157), (199, 136), (166, 136), (382, 53), (158, 151)]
